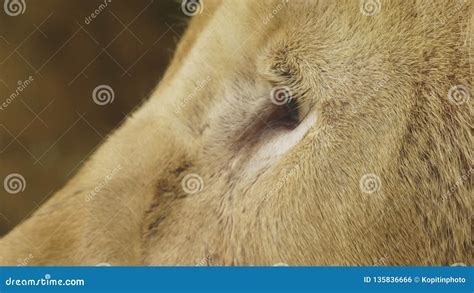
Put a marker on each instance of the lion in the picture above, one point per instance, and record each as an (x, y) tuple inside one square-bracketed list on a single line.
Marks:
[(284, 132)]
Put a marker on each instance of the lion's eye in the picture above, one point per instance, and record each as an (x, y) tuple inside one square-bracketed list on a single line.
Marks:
[(293, 111), (286, 111)]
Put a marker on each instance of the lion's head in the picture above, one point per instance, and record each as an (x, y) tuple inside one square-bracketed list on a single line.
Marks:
[(297, 132)]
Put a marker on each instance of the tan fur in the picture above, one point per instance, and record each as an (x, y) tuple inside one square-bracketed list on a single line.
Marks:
[(378, 87)]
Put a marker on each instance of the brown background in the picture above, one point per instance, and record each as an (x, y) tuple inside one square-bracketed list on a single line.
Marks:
[(54, 124)]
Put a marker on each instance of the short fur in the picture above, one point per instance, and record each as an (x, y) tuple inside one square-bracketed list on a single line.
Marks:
[(378, 89)]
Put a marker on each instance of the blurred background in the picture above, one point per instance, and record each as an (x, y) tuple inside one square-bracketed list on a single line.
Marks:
[(54, 55)]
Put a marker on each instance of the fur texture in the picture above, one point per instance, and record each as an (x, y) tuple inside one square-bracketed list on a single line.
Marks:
[(373, 95)]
